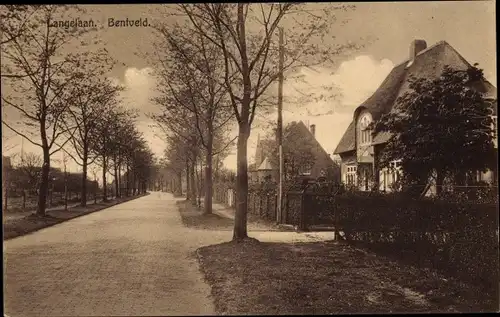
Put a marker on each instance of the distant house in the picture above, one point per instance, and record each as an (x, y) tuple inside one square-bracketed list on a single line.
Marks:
[(295, 134), (358, 148)]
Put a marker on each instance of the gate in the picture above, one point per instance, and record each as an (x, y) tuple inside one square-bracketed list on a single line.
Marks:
[(312, 207)]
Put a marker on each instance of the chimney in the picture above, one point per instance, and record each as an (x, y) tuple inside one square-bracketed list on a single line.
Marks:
[(313, 129), (416, 47)]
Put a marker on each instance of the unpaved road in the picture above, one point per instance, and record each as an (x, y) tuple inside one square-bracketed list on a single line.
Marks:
[(135, 258)]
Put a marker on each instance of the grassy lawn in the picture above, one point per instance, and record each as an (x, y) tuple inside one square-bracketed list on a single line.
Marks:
[(21, 226), (193, 217), (327, 278)]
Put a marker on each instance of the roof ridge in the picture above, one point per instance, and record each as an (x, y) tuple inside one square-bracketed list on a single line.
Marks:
[(316, 141), (424, 51)]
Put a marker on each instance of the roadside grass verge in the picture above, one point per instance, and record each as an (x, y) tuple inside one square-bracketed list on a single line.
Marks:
[(194, 218), (327, 278), (31, 223)]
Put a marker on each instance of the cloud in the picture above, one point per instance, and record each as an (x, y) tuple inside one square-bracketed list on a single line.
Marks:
[(139, 89), (358, 78), (323, 90)]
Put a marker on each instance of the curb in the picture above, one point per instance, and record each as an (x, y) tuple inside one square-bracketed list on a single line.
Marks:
[(19, 234)]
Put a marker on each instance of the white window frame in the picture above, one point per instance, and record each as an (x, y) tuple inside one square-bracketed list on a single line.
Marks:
[(394, 170), (384, 178), (365, 134), (305, 169), (350, 178)]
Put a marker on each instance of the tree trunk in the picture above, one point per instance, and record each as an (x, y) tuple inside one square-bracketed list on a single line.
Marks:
[(104, 185), (117, 183), (199, 182), (133, 180), (65, 189), (119, 180), (193, 180), (188, 180), (179, 185), (240, 219), (44, 183), (208, 177), (83, 201), (127, 181)]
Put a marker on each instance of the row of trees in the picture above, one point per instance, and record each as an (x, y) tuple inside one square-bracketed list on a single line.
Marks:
[(62, 99), (219, 64)]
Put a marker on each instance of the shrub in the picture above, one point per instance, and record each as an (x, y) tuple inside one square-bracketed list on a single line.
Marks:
[(459, 238)]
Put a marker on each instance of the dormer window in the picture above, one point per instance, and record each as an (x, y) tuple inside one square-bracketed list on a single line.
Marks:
[(365, 132)]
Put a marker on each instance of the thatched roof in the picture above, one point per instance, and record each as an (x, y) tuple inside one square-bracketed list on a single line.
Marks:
[(428, 63), (348, 142)]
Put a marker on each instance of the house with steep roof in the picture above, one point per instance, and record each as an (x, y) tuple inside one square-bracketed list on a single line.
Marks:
[(358, 147), (294, 134)]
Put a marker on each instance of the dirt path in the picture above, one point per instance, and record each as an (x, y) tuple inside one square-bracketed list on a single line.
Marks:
[(135, 258)]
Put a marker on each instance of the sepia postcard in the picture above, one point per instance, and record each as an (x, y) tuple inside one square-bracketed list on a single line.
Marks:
[(249, 158)]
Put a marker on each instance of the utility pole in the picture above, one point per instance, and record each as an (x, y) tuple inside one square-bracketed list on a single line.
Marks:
[(65, 182), (280, 124), (22, 164), (22, 151)]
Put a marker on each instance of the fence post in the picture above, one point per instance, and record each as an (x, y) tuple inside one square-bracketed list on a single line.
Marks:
[(275, 213), (302, 220), (260, 204), (267, 206), (254, 202), (24, 200), (285, 212)]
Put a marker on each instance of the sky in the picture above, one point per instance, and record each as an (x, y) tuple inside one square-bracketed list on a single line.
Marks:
[(468, 26)]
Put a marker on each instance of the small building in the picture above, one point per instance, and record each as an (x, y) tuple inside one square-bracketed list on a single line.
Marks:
[(295, 133), (265, 170)]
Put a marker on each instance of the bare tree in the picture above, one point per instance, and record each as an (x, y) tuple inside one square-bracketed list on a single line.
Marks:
[(189, 82), (30, 166), (39, 96), (91, 99), (245, 35), (105, 145), (14, 21)]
